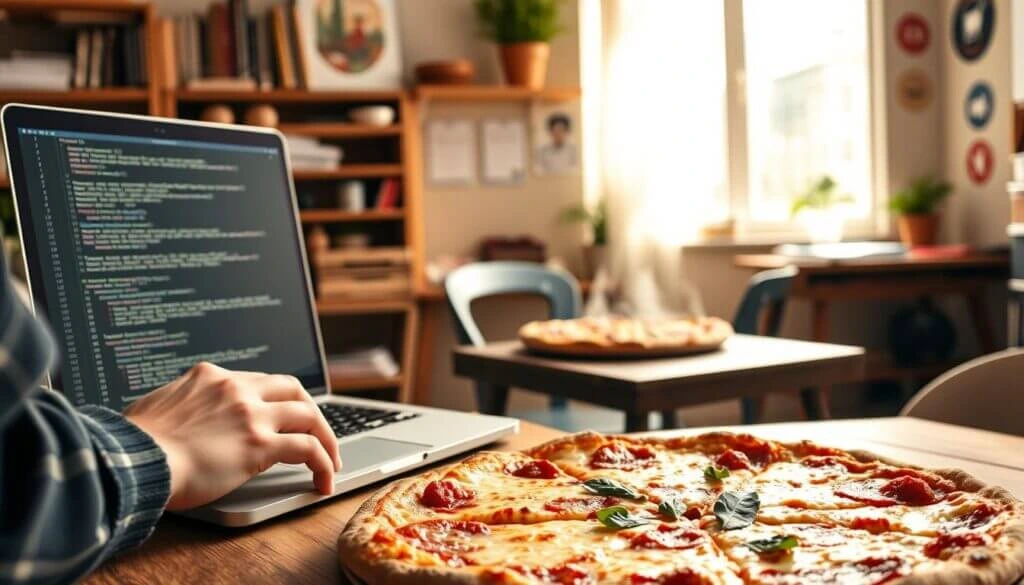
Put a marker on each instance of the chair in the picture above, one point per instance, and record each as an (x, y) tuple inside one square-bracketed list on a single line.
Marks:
[(760, 313), (484, 279), (981, 393)]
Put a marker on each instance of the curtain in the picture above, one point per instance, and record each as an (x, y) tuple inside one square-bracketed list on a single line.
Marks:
[(654, 95)]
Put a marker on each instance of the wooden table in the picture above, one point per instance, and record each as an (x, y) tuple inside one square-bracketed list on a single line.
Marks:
[(299, 549), (747, 365), (824, 281)]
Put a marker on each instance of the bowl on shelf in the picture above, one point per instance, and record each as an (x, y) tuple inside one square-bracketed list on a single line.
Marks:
[(372, 115), (448, 72)]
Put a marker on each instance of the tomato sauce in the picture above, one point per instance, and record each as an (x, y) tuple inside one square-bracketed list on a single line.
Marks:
[(946, 544), (446, 495), (618, 456), (668, 536), (733, 459), (539, 469)]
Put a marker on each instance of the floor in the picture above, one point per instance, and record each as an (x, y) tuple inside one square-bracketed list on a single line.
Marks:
[(847, 402)]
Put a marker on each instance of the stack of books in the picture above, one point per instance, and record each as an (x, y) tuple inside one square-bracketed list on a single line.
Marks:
[(230, 48), (310, 154), (42, 71), (381, 272), (375, 362)]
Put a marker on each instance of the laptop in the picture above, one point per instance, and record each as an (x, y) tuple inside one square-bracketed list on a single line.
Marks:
[(151, 244)]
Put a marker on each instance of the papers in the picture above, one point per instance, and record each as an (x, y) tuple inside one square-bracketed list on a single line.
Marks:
[(451, 152), (504, 151)]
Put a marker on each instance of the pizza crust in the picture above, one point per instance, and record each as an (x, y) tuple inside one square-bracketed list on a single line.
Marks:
[(609, 337), (382, 511)]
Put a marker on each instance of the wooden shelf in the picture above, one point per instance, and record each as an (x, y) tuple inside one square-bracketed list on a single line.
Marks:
[(352, 171), (326, 308), (284, 96), (339, 130), (110, 95), (494, 93), (38, 6), (347, 384), (340, 215)]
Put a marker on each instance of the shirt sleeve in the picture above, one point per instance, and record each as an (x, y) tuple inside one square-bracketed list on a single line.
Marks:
[(75, 486)]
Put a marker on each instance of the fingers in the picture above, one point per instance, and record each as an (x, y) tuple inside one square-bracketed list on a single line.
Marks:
[(305, 449), (279, 388), (303, 417)]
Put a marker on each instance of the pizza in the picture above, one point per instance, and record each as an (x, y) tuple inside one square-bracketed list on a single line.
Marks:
[(624, 336), (711, 509)]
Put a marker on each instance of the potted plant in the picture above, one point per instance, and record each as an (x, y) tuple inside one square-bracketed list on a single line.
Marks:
[(917, 210), (597, 219), (818, 209), (522, 29)]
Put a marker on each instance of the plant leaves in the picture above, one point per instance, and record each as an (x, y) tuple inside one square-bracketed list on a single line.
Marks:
[(712, 473), (618, 517), (736, 511), (671, 508), (610, 487), (774, 544)]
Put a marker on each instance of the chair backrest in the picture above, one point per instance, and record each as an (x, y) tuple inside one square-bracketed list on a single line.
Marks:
[(484, 279), (767, 289), (981, 393)]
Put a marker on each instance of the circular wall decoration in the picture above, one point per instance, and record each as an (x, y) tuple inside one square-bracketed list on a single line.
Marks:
[(914, 90), (973, 24), (979, 105), (912, 33), (979, 161)]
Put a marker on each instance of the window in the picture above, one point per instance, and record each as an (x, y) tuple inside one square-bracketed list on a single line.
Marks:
[(807, 103)]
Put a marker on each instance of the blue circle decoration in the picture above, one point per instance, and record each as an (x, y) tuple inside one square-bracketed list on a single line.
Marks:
[(973, 24), (979, 105)]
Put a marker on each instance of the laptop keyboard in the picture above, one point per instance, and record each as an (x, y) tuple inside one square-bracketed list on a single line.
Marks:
[(348, 420)]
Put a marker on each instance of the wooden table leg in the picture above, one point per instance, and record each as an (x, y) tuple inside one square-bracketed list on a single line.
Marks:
[(982, 324), (430, 315), (491, 398), (751, 409), (815, 401), (670, 419), (636, 422)]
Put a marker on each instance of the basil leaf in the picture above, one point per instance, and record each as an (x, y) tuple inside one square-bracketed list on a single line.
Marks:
[(608, 487), (736, 511), (712, 473), (774, 544), (618, 517), (671, 508)]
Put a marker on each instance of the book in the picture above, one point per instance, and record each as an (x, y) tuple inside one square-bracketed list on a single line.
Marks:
[(221, 84), (299, 35), (219, 45), (254, 70), (95, 58), (387, 195), (294, 49), (81, 72), (142, 53), (107, 64), (239, 13), (282, 48), (264, 74)]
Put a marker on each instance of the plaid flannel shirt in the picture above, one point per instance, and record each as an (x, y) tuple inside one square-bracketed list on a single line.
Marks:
[(76, 486)]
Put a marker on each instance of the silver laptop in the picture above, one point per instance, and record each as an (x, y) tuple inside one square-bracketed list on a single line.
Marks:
[(151, 244)]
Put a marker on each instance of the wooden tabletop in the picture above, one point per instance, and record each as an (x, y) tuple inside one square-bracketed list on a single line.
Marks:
[(973, 260), (747, 365), (299, 549)]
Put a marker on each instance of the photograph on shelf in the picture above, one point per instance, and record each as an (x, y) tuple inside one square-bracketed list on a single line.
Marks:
[(350, 44), (555, 143)]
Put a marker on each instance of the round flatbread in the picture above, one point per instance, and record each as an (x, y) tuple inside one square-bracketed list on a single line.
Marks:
[(717, 508), (625, 337)]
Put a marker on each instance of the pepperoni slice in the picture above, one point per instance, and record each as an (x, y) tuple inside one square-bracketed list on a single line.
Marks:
[(445, 495), (865, 491), (974, 519), (733, 459), (880, 569), (681, 577), (872, 525), (619, 456), (668, 536), (565, 574), (538, 469), (851, 465), (936, 482), (581, 505), (910, 490), (946, 544), (759, 452), (445, 537)]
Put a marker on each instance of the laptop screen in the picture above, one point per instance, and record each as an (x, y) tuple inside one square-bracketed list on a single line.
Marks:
[(153, 245)]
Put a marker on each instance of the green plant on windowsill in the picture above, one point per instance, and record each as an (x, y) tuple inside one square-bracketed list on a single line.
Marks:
[(818, 209), (596, 218), (917, 209)]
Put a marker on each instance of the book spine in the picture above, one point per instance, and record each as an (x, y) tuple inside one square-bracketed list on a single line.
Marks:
[(286, 66), (143, 54), (254, 58), (299, 45), (240, 37), (219, 42), (96, 59), (81, 73)]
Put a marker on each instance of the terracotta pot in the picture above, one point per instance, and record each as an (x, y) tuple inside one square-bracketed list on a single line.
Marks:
[(919, 229), (526, 64)]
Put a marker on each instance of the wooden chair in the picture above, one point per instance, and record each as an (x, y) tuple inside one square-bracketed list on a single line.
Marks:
[(760, 313), (485, 279), (982, 393)]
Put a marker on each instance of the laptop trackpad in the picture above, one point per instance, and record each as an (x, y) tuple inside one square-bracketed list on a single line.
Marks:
[(366, 452)]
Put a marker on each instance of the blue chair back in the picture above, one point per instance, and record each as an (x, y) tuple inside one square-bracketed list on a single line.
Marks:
[(485, 279), (766, 289)]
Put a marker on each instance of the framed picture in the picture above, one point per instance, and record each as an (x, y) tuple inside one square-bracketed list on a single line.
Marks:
[(350, 44), (555, 147)]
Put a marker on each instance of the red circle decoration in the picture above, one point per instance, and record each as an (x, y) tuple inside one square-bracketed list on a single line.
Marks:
[(912, 33), (979, 161)]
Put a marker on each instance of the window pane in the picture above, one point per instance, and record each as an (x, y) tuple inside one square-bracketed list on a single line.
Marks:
[(807, 101)]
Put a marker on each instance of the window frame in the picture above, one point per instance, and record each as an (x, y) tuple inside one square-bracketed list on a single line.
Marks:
[(877, 224)]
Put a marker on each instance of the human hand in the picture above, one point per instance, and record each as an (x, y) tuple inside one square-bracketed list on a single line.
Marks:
[(219, 428)]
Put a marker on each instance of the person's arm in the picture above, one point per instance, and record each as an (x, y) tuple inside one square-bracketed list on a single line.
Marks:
[(78, 486)]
